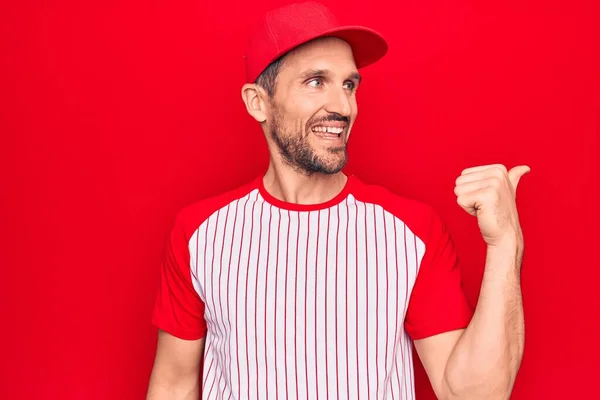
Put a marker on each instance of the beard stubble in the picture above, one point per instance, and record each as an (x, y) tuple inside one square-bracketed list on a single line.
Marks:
[(296, 150)]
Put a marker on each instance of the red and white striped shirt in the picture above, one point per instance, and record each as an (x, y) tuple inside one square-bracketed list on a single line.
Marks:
[(309, 301)]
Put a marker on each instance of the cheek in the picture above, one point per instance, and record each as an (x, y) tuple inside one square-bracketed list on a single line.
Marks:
[(297, 113), (298, 122), (306, 105), (292, 125), (354, 105)]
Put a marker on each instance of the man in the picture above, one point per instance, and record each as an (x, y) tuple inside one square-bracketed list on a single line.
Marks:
[(307, 283)]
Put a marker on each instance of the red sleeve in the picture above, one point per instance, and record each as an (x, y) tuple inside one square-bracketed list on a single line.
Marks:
[(178, 309), (437, 303)]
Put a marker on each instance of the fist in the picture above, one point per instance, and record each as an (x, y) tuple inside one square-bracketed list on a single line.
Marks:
[(488, 192)]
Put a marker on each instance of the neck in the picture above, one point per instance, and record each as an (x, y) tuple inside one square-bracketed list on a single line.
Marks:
[(285, 184)]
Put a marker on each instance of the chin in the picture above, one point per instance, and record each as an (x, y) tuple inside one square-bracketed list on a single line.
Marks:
[(332, 166)]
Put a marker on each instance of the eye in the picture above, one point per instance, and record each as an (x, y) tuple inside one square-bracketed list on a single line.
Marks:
[(349, 85), (316, 82)]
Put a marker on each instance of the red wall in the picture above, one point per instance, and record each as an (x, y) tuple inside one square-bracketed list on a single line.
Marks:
[(114, 115)]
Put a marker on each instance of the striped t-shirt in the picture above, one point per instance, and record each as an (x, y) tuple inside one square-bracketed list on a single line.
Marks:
[(314, 301)]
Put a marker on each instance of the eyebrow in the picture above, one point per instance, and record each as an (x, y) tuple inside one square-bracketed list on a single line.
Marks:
[(356, 76), (326, 73)]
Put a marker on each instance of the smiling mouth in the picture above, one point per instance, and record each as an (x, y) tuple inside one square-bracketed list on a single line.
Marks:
[(329, 132)]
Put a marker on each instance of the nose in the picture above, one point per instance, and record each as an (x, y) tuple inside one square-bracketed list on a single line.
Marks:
[(339, 101)]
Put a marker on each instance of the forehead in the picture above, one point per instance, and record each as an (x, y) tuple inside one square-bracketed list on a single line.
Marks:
[(327, 53)]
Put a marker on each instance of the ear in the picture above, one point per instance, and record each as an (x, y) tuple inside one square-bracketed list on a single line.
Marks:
[(253, 96)]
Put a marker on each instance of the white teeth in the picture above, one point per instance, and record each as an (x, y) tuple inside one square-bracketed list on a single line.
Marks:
[(328, 129)]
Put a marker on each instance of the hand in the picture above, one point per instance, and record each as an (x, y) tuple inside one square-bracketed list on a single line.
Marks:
[(488, 193)]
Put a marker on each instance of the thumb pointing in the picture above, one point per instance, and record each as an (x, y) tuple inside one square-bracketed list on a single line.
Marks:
[(516, 173)]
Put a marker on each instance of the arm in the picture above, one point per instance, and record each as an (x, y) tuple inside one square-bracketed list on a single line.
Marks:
[(179, 315), (176, 371), (481, 361)]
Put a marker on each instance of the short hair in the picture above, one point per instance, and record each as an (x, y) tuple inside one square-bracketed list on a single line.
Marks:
[(268, 78)]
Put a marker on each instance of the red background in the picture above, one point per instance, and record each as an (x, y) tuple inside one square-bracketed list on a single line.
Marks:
[(114, 115)]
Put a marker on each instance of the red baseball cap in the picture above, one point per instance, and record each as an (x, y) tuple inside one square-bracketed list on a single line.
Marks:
[(285, 28)]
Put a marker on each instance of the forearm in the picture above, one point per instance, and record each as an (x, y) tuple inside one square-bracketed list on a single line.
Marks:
[(485, 360), (173, 389), (176, 371)]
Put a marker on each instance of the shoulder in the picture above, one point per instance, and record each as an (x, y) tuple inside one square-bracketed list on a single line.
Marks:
[(192, 216), (418, 216)]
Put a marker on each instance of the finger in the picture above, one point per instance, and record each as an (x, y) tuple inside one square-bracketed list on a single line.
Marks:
[(473, 186), (482, 174), (470, 177), (484, 167), (471, 202), (516, 173), (469, 209), (467, 203)]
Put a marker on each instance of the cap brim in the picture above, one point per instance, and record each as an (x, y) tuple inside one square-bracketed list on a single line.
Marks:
[(368, 45)]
